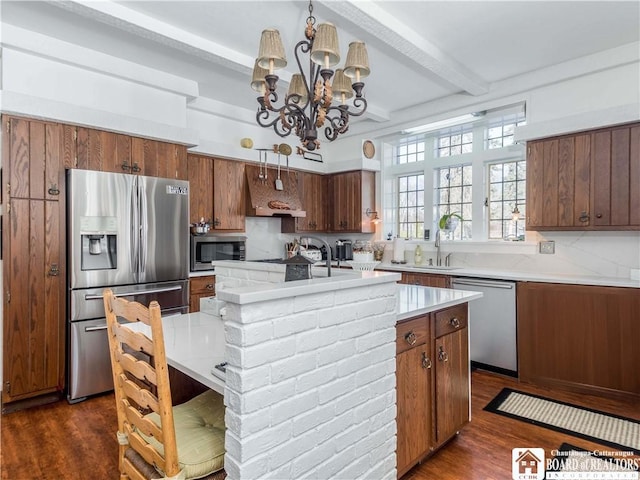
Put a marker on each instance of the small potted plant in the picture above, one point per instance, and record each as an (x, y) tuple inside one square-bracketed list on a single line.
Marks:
[(449, 221)]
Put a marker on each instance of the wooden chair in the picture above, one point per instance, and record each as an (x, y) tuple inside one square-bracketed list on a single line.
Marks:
[(155, 439)]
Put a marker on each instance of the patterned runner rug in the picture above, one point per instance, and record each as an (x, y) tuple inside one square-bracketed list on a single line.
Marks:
[(616, 431)]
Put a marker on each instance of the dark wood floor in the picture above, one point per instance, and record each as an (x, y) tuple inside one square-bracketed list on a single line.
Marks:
[(62, 441)]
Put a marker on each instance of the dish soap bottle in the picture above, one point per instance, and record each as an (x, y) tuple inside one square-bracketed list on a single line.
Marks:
[(417, 256)]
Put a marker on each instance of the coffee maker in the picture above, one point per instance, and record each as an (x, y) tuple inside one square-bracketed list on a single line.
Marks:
[(344, 250)]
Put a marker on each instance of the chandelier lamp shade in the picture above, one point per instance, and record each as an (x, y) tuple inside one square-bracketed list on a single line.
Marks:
[(317, 96)]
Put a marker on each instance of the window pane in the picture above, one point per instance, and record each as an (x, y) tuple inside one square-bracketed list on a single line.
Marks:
[(507, 190), (456, 150), (402, 184), (495, 132), (467, 148), (456, 195), (509, 171), (443, 141), (467, 137), (495, 173), (455, 176)]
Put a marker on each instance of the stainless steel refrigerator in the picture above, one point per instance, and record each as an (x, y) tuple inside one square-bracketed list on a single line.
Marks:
[(129, 233)]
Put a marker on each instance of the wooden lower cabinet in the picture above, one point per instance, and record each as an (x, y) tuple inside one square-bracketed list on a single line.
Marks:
[(578, 337), (426, 279), (451, 360), (200, 287), (34, 305), (432, 383)]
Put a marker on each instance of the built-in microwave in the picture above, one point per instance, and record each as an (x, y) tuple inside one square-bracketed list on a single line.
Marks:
[(207, 248)]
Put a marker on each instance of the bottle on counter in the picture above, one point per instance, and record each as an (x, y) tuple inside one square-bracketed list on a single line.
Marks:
[(417, 255)]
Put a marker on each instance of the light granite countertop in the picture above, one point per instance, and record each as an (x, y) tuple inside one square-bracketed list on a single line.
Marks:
[(512, 275), (415, 300)]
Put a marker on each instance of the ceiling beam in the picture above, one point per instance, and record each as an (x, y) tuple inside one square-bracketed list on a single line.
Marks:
[(141, 25), (374, 20)]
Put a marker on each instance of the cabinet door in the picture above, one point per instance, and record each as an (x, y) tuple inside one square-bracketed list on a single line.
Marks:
[(451, 359), (414, 404), (312, 189), (616, 158), (103, 151), (228, 195), (558, 183), (583, 337), (34, 316), (158, 159), (34, 150), (200, 176), (351, 194), (200, 287)]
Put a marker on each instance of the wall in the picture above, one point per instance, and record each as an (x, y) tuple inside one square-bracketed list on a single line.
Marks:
[(310, 389), (608, 254)]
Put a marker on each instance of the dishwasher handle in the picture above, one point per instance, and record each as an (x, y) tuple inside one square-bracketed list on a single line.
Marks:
[(483, 283)]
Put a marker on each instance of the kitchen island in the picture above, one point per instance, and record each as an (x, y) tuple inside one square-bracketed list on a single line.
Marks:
[(310, 381)]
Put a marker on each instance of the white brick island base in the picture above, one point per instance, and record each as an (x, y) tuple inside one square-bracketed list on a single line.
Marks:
[(310, 382)]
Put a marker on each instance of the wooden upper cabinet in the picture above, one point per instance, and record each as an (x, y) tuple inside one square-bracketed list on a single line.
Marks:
[(217, 192), (92, 149), (350, 194), (616, 177), (558, 182), (312, 188), (228, 195), (200, 176), (34, 150), (585, 181)]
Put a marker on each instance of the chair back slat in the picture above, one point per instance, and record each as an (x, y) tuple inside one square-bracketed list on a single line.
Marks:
[(142, 398), (140, 369), (141, 381), (137, 341)]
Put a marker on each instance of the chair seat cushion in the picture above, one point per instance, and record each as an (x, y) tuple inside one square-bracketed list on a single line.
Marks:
[(200, 429)]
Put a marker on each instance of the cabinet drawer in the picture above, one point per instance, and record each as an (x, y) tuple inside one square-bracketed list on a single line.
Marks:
[(412, 333), (451, 319), (203, 285)]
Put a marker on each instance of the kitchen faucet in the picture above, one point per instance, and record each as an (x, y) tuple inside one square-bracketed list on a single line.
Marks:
[(326, 246), (437, 244)]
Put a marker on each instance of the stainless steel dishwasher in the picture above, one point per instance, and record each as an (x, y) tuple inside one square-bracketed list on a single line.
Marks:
[(492, 324)]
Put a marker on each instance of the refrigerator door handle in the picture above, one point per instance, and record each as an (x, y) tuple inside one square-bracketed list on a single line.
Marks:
[(144, 222), (135, 231), (137, 292)]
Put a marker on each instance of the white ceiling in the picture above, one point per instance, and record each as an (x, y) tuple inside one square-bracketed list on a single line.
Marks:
[(419, 51)]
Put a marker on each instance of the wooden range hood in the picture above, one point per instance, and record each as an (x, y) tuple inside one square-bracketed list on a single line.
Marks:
[(265, 201)]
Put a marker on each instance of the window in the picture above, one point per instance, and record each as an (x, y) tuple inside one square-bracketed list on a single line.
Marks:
[(410, 150), (453, 194), (411, 206), (430, 174), (499, 132), (507, 192), (455, 141)]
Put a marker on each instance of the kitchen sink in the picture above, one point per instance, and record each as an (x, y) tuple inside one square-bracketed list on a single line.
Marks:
[(436, 267)]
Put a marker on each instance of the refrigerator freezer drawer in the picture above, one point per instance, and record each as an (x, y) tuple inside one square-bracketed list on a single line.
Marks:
[(87, 303), (90, 363)]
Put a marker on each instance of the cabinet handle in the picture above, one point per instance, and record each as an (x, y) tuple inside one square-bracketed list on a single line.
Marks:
[(54, 190), (125, 167), (53, 270), (598, 215), (426, 361), (442, 355), (416, 282), (135, 167), (216, 221), (411, 338), (584, 217), (210, 286), (454, 322)]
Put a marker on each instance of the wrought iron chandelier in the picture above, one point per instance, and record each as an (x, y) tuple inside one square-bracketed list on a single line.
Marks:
[(308, 103)]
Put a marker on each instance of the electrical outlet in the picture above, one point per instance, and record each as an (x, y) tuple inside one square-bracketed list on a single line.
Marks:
[(548, 247), (427, 233)]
